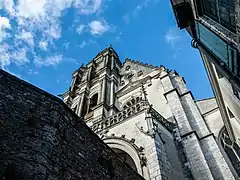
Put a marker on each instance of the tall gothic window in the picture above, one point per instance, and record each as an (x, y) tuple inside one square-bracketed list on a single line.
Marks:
[(84, 108), (232, 150)]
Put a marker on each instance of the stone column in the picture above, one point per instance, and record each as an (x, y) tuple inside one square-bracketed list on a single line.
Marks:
[(194, 154), (103, 90), (112, 93), (215, 159), (80, 105), (211, 151), (152, 161), (112, 63), (73, 82)]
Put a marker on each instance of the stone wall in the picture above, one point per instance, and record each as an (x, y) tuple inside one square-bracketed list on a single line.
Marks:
[(41, 138)]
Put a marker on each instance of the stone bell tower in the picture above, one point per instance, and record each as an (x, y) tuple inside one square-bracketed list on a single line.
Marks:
[(148, 116), (91, 94)]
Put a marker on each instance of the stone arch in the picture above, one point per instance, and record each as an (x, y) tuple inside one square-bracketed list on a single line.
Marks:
[(121, 144), (230, 150)]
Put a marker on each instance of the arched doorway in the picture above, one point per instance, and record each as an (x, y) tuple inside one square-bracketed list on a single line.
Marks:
[(125, 151), (126, 158)]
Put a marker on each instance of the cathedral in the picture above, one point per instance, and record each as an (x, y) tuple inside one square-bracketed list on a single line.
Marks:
[(151, 120)]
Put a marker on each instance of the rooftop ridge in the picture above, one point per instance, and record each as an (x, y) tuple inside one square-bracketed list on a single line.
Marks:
[(110, 48), (143, 64)]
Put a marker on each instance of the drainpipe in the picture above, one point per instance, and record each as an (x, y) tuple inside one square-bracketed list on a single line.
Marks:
[(216, 89), (232, 79)]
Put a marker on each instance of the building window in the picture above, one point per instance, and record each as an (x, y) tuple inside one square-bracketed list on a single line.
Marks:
[(130, 76), (227, 14), (109, 63), (235, 92), (127, 68), (140, 73), (221, 11), (122, 83), (210, 9), (93, 101), (232, 150)]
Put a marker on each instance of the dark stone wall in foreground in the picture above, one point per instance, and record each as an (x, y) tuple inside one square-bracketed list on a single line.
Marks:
[(41, 138)]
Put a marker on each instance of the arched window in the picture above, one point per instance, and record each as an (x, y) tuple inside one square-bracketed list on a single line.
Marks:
[(126, 158), (84, 108), (127, 68), (232, 150), (140, 73)]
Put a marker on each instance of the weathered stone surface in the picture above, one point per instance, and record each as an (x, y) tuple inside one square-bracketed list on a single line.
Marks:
[(41, 138)]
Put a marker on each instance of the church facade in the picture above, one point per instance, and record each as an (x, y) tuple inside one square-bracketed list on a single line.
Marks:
[(150, 119)]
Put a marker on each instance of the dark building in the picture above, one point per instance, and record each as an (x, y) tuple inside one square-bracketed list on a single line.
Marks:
[(41, 138), (214, 26)]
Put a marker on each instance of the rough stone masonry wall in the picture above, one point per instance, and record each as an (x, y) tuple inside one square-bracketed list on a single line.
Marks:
[(41, 138)]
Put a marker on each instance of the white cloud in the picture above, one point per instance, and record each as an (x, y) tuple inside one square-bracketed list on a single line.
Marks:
[(88, 6), (172, 36), (20, 56), (8, 55), (83, 44), (26, 36), (98, 27), (87, 43), (54, 31), (49, 61), (66, 45), (4, 56), (4, 24), (32, 72), (134, 13), (8, 5), (31, 8), (34, 20), (80, 29), (118, 37), (43, 45)]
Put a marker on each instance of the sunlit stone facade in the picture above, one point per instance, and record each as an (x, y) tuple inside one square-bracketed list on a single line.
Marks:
[(148, 117)]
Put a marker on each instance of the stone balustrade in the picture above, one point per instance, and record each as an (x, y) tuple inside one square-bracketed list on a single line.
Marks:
[(119, 117)]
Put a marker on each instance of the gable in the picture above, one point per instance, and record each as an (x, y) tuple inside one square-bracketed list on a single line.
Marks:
[(133, 71)]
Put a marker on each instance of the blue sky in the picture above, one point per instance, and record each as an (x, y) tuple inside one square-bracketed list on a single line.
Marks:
[(44, 41)]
